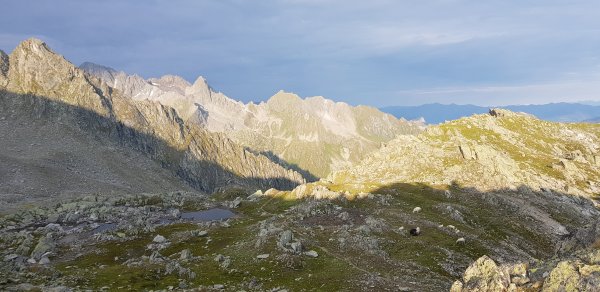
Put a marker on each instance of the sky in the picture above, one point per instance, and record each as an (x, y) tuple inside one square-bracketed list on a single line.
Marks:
[(376, 52)]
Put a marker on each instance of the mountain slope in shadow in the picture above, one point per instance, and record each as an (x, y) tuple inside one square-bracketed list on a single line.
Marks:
[(86, 120)]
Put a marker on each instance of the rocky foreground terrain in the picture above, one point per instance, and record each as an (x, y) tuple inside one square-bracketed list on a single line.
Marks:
[(102, 191), (267, 242)]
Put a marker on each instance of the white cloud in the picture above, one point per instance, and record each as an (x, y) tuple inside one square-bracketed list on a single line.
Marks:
[(375, 51), (571, 91)]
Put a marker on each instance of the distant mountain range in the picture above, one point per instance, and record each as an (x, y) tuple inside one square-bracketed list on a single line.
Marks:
[(436, 113), (594, 120)]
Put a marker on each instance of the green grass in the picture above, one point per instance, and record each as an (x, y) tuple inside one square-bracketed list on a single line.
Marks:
[(99, 268), (487, 227)]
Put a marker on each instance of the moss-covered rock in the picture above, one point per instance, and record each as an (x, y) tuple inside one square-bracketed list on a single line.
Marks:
[(44, 245), (564, 277), (485, 275)]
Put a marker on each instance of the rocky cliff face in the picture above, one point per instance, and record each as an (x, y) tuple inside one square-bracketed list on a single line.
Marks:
[(500, 150), (315, 134), (44, 86)]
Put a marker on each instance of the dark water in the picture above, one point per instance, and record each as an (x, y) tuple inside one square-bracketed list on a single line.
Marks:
[(208, 215), (104, 227)]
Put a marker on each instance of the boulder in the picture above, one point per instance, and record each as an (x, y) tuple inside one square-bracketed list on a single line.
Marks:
[(175, 213), (448, 194), (10, 257), (224, 261), (296, 246), (235, 203), (159, 239), (519, 269), (45, 244), (467, 152), (285, 238), (564, 277), (484, 275), (520, 280), (185, 254), (344, 216), (457, 286), (219, 258), (594, 256)]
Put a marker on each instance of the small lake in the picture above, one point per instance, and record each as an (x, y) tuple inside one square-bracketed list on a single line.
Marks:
[(208, 215), (105, 227)]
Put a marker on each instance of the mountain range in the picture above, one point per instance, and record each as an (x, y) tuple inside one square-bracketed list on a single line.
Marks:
[(436, 113), (110, 181), (313, 136), (75, 122)]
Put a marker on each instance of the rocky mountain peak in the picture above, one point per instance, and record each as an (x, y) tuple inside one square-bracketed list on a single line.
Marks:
[(35, 46), (320, 99), (35, 69), (282, 98), (199, 87), (329, 105), (171, 81), (33, 52)]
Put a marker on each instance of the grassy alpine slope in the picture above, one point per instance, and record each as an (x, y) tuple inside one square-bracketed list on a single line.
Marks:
[(493, 151), (337, 244)]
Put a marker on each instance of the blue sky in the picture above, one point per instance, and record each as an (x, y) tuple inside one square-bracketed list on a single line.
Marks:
[(376, 52)]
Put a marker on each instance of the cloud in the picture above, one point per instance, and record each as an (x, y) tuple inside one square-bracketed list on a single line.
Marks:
[(574, 91), (355, 51)]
